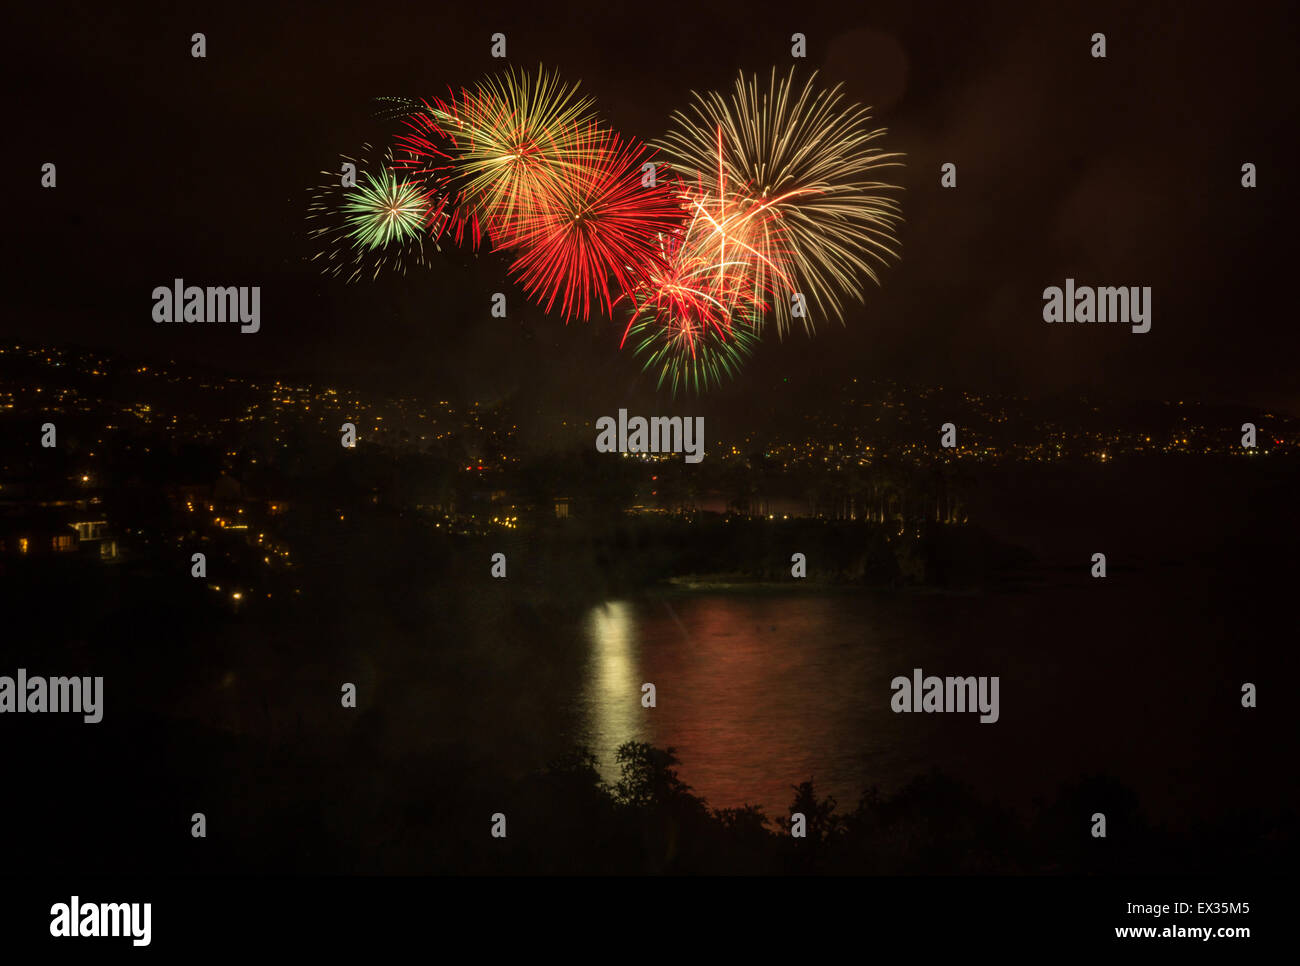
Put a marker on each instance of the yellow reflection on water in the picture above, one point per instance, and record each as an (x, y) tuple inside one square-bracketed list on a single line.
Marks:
[(611, 692)]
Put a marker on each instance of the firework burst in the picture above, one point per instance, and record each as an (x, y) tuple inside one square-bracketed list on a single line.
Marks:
[(500, 150), (602, 221), (382, 222), (691, 355), (697, 317), (429, 151), (773, 211), (809, 159), (385, 209)]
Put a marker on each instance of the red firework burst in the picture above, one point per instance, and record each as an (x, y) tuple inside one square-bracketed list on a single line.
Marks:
[(601, 219), (723, 267), (430, 151)]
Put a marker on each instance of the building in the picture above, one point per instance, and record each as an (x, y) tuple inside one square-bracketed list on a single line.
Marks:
[(48, 531), (93, 539)]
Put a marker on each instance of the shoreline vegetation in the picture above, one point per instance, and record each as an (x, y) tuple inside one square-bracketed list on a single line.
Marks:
[(841, 557), (648, 820)]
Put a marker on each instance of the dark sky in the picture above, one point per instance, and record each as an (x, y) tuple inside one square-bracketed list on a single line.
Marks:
[(1123, 171)]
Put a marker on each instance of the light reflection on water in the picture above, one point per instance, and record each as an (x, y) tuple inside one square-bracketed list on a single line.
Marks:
[(760, 692), (611, 688), (751, 691)]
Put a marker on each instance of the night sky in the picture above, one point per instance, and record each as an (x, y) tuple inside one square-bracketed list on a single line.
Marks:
[(1123, 171)]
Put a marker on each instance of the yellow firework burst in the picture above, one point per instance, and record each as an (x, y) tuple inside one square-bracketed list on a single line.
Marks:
[(809, 158), (508, 143)]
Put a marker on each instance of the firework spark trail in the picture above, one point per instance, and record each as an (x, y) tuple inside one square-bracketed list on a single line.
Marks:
[(502, 149), (691, 357), (384, 209), (381, 222), (810, 156), (601, 222), (428, 152), (697, 319)]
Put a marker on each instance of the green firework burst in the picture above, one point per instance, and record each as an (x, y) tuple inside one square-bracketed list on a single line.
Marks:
[(690, 357), (382, 222), (384, 209)]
